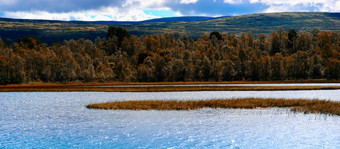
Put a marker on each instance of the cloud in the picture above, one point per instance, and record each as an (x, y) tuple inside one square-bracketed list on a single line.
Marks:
[(145, 3), (287, 2), (56, 5), (233, 1), (88, 10), (103, 14), (332, 7), (280, 8), (119, 10), (188, 1), (134, 10), (299, 5)]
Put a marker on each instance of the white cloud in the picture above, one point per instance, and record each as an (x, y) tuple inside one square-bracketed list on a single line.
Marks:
[(254, 1), (332, 7), (279, 8), (134, 10), (103, 14), (287, 2), (131, 10), (188, 1), (144, 3), (179, 14), (299, 5), (233, 1)]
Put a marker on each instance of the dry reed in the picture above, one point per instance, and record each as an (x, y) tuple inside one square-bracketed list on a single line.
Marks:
[(301, 105)]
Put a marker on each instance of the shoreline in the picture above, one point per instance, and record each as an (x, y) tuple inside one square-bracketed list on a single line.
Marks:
[(170, 83), (128, 87), (160, 89), (296, 105)]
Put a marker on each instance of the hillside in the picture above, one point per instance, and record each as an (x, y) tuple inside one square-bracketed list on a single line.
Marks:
[(255, 23), (193, 27), (169, 19)]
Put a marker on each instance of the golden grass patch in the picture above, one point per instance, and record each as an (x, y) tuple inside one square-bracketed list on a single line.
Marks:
[(301, 105)]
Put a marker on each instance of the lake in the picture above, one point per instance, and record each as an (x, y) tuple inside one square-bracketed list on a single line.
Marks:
[(60, 120)]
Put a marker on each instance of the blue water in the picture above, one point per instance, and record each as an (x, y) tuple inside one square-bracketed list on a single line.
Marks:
[(60, 120)]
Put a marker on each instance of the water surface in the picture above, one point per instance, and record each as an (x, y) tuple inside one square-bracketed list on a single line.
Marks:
[(60, 120)]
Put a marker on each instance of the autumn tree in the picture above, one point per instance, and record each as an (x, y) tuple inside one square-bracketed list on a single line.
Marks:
[(114, 38), (216, 34), (1, 43), (277, 67), (333, 68), (292, 35), (168, 57), (227, 71), (278, 40), (119, 32), (243, 58)]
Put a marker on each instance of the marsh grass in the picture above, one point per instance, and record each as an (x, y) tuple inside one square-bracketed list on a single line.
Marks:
[(299, 105)]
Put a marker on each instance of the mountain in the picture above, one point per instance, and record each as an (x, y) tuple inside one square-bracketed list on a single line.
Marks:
[(169, 19), (56, 31), (255, 23)]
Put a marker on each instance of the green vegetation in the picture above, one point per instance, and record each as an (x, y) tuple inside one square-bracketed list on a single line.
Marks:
[(255, 23), (50, 31), (306, 106), (166, 58), (57, 31)]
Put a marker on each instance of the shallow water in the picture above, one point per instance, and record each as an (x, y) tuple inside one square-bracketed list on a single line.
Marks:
[(60, 120)]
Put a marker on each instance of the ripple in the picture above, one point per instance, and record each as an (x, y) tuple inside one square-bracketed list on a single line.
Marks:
[(60, 120)]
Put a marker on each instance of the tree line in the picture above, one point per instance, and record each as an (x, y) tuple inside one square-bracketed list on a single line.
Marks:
[(282, 55)]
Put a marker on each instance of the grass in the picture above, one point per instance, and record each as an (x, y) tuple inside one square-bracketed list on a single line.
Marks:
[(41, 87), (300, 105)]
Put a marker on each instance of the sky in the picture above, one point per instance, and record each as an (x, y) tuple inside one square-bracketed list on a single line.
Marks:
[(137, 10)]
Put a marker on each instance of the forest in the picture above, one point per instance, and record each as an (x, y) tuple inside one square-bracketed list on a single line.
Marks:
[(281, 55)]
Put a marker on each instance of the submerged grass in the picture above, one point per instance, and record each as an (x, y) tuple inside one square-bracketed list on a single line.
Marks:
[(300, 105)]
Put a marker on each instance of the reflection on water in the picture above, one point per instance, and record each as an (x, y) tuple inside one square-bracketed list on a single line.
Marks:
[(60, 120)]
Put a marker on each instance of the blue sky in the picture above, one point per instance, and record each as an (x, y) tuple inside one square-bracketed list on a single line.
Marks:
[(160, 13), (136, 10)]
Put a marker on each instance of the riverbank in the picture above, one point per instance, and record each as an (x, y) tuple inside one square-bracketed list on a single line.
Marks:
[(171, 83), (168, 86), (299, 105)]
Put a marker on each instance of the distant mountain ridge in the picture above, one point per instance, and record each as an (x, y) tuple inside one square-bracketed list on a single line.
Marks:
[(50, 31), (168, 19)]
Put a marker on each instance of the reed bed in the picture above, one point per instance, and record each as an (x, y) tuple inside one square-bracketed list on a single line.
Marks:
[(299, 105)]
